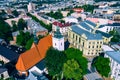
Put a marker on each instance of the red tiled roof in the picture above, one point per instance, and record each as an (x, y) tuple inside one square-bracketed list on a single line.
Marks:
[(59, 24), (37, 52), (79, 10)]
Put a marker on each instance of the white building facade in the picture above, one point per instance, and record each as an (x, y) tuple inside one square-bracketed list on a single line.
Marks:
[(58, 41), (114, 64)]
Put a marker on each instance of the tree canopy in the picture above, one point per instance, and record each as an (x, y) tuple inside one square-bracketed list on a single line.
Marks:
[(15, 13), (56, 15), (21, 24), (72, 70), (14, 26), (5, 30), (102, 65), (116, 36), (54, 61), (76, 54), (24, 39), (70, 12)]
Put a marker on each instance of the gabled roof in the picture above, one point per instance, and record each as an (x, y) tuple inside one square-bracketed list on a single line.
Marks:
[(33, 56)]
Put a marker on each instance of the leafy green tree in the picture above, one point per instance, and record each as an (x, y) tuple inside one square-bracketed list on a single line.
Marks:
[(29, 43), (54, 61), (14, 26), (116, 36), (72, 70), (76, 54), (88, 8), (15, 13), (23, 38), (5, 30), (102, 65), (56, 15), (70, 12), (21, 24)]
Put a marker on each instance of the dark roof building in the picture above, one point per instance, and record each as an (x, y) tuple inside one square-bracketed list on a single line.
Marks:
[(7, 55)]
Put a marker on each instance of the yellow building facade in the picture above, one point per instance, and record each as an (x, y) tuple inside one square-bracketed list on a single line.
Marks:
[(88, 42)]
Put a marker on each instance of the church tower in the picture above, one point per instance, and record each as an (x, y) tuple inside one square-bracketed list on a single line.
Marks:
[(58, 40)]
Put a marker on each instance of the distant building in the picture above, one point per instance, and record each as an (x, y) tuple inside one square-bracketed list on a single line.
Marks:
[(71, 19), (31, 7), (109, 27), (87, 38), (116, 17), (62, 26), (114, 64), (78, 10), (100, 21), (33, 25)]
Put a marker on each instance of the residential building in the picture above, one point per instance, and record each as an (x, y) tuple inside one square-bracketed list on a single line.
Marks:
[(114, 57), (33, 25), (3, 73), (78, 10), (31, 7), (87, 38), (62, 26), (116, 17), (100, 21), (7, 55), (109, 27), (71, 19)]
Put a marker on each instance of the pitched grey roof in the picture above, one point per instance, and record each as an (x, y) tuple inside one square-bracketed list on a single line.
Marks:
[(104, 34), (35, 25), (83, 24), (114, 55), (91, 23), (89, 35)]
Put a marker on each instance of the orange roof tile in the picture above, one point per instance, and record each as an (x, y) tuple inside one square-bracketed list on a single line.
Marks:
[(31, 57)]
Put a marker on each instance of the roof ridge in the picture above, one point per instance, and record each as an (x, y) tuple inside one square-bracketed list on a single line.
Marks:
[(23, 62)]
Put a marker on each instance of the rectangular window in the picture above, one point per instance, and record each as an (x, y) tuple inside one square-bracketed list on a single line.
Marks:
[(79, 40), (89, 46), (83, 43), (76, 37), (89, 42)]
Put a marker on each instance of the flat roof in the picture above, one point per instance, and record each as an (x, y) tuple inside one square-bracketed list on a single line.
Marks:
[(93, 76), (107, 48)]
